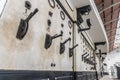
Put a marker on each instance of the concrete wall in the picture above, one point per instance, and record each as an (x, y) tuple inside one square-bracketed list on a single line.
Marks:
[(29, 53)]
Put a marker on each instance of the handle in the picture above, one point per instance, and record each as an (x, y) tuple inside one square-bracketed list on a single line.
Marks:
[(32, 14), (75, 46), (55, 36), (69, 39)]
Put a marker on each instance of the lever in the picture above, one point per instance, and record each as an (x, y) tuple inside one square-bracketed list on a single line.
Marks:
[(49, 38), (24, 24), (56, 36), (71, 50), (62, 45)]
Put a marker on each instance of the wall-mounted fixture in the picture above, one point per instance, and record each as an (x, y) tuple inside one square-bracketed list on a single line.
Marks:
[(50, 13), (24, 24), (70, 24), (83, 56), (85, 10), (79, 19), (99, 43), (88, 21), (28, 5), (62, 45), (62, 15), (49, 22), (49, 38), (51, 3), (71, 50)]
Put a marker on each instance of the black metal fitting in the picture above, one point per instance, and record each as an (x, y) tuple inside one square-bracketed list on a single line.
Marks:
[(84, 29), (85, 10), (71, 50), (24, 24), (62, 25), (28, 5), (62, 45), (49, 38), (50, 14)]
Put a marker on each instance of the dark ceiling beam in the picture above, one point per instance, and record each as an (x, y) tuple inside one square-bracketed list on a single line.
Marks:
[(117, 9), (113, 29), (112, 20), (112, 5)]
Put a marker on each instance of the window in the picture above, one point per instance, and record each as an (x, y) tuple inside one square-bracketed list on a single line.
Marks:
[(2, 6)]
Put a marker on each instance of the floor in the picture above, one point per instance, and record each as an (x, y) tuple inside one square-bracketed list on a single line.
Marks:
[(108, 78)]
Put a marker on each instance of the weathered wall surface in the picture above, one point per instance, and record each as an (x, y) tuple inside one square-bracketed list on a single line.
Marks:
[(29, 53)]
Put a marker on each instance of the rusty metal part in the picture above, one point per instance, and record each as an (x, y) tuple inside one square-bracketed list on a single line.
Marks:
[(71, 50)]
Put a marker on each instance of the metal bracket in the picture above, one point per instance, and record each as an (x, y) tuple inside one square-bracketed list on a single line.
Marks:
[(62, 45), (49, 38), (88, 24), (24, 24), (71, 50), (28, 5)]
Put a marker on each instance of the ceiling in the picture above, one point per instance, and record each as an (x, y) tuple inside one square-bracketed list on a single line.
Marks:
[(109, 12), (97, 32)]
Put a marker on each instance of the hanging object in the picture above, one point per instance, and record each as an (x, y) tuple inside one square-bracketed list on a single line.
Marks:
[(49, 38), (71, 50), (62, 15), (51, 3), (24, 24), (62, 45)]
